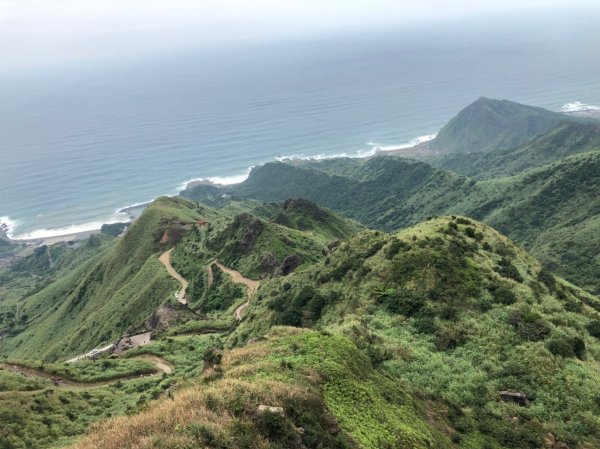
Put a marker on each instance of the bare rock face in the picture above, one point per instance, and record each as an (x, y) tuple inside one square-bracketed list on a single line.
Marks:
[(269, 261), (516, 397), (253, 231), (271, 409), (174, 231), (162, 318), (333, 245), (305, 206), (289, 264)]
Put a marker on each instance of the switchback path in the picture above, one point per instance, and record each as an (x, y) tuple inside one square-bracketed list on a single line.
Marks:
[(238, 278), (46, 378), (165, 259)]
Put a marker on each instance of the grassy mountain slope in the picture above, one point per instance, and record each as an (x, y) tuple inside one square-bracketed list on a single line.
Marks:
[(454, 314), (43, 265), (298, 233), (564, 140), (385, 192), (330, 395), (113, 292), (442, 335), (551, 207), (553, 211), (489, 124)]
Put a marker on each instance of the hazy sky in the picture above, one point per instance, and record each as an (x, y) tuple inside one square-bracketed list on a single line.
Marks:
[(39, 32)]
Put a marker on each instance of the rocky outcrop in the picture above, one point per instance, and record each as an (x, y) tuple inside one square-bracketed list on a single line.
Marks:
[(268, 262), (251, 235), (289, 264), (516, 397), (174, 232), (271, 409), (306, 207)]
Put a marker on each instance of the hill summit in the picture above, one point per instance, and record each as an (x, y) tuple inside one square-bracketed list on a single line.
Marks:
[(489, 124)]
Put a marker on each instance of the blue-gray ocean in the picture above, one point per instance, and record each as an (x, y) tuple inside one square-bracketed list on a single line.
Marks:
[(79, 142)]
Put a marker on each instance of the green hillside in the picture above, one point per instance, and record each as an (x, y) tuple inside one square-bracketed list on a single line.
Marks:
[(443, 335), (422, 324), (113, 292), (382, 192), (298, 233), (553, 211), (537, 208), (489, 124), (454, 313), (564, 140)]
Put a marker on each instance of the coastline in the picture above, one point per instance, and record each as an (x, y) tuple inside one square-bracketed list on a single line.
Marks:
[(75, 236), (418, 148)]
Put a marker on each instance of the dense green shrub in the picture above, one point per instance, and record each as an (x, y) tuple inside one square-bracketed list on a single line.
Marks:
[(547, 279), (566, 346), (403, 302), (503, 295), (506, 269), (593, 328), (470, 232), (529, 325)]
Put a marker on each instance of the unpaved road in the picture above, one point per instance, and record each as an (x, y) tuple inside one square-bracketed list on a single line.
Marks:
[(165, 259), (210, 274), (238, 278), (160, 364), (46, 379)]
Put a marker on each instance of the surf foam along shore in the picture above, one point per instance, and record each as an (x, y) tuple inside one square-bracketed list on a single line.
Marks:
[(374, 149), (130, 212), (48, 235), (370, 152), (579, 109), (578, 106), (217, 180), (7, 226)]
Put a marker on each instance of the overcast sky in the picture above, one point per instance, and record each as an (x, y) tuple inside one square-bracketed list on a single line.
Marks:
[(39, 32)]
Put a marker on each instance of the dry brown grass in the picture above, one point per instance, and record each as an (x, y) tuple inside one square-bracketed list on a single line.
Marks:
[(164, 424), (225, 398)]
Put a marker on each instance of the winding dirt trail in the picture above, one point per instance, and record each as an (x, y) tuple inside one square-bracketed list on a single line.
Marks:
[(210, 274), (165, 259), (238, 278), (47, 379), (160, 364)]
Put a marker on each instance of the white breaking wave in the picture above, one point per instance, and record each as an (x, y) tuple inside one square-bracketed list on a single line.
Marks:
[(221, 180), (375, 148), (8, 226), (578, 106), (120, 215), (66, 230)]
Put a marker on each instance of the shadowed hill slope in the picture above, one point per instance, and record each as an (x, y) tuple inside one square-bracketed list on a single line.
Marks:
[(489, 124), (564, 140)]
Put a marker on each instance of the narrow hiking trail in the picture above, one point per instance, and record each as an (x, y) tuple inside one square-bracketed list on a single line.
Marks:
[(46, 379), (165, 259), (161, 365), (238, 278), (209, 272)]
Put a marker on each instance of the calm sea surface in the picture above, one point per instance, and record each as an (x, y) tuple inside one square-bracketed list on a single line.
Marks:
[(77, 143)]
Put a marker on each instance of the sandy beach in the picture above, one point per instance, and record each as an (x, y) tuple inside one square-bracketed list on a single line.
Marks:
[(50, 240)]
